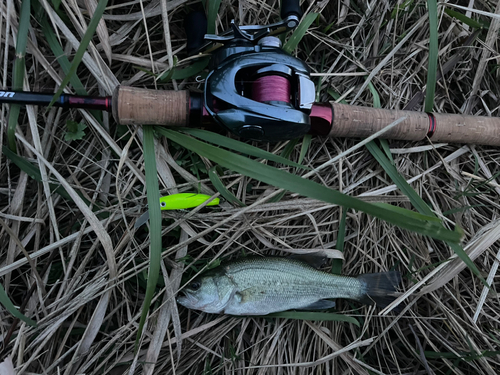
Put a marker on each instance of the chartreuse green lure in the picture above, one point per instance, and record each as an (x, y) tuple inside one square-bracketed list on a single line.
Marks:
[(185, 200), (179, 202)]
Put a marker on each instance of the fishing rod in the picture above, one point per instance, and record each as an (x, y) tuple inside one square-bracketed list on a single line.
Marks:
[(257, 91)]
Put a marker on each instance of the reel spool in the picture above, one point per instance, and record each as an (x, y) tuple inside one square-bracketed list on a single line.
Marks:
[(270, 89)]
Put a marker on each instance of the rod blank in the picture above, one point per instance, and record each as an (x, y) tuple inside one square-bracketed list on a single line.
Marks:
[(64, 100)]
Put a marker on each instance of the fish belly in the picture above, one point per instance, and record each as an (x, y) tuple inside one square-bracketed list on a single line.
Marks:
[(254, 301)]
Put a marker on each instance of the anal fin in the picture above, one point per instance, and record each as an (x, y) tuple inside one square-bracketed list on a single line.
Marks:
[(322, 304)]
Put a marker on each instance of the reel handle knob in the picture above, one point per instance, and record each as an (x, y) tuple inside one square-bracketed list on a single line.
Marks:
[(291, 8)]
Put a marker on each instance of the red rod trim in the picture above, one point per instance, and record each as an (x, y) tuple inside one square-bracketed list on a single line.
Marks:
[(432, 125), (321, 118)]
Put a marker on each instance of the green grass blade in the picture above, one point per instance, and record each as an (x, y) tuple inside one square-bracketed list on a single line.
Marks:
[(56, 4), (18, 70), (387, 163), (376, 104), (64, 62), (24, 23), (376, 96), (430, 88), (62, 59), (190, 71), (219, 186), (337, 263), (463, 18), (417, 202), (299, 32), (401, 183), (7, 303), (15, 109), (287, 151), (288, 181), (408, 213), (389, 167), (463, 209), (306, 142), (23, 164), (468, 261), (387, 150), (317, 316), (467, 356), (241, 147), (94, 22), (153, 196), (335, 95), (212, 11)]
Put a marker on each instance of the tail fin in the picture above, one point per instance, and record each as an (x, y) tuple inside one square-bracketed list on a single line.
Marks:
[(380, 287)]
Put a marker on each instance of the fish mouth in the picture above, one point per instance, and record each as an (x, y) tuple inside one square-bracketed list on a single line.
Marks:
[(187, 299)]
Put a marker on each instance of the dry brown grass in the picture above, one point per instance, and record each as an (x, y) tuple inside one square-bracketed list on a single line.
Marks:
[(88, 318)]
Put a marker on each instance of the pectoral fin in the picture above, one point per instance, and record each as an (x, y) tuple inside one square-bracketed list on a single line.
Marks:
[(249, 294)]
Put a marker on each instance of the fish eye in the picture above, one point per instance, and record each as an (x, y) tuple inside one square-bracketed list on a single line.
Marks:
[(195, 285)]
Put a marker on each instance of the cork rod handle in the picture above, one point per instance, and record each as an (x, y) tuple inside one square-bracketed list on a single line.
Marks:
[(478, 130), (361, 122), (134, 106)]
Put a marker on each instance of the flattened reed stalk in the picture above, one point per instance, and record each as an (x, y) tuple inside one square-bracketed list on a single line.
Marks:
[(346, 43)]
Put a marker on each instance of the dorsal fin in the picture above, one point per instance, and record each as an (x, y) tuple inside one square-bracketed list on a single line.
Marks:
[(314, 259)]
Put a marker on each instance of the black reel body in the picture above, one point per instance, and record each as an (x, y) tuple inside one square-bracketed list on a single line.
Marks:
[(259, 92)]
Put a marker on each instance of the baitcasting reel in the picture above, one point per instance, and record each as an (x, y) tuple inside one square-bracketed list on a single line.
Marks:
[(254, 89)]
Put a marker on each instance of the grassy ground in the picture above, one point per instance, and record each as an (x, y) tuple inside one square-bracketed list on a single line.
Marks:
[(87, 268)]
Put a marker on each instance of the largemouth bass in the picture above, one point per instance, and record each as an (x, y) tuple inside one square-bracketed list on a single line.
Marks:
[(260, 286)]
